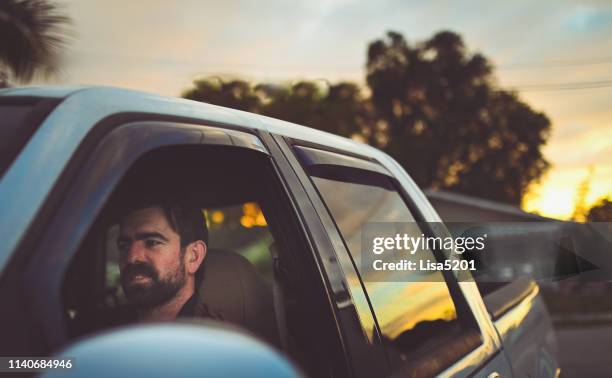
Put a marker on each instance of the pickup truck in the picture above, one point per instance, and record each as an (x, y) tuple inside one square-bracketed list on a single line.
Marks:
[(285, 205)]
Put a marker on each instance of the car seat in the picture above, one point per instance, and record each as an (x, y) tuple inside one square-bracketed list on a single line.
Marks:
[(232, 290)]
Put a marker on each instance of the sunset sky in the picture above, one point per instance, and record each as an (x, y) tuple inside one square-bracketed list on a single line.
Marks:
[(544, 49)]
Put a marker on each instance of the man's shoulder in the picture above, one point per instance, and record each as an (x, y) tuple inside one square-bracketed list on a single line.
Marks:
[(194, 308)]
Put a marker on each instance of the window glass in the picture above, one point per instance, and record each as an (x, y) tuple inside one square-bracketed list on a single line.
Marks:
[(411, 315), (13, 135)]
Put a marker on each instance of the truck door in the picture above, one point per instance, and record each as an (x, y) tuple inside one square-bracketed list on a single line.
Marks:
[(425, 327)]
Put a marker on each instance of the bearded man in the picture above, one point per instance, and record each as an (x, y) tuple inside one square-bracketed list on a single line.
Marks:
[(161, 250)]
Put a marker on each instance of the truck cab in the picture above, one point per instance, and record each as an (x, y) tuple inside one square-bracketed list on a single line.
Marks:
[(285, 201)]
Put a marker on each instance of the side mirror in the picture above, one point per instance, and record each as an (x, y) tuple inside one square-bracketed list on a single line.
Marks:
[(203, 349)]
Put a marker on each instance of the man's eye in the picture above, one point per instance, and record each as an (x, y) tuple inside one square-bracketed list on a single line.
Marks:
[(151, 243), (122, 246)]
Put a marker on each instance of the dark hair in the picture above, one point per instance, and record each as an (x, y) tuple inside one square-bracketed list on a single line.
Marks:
[(186, 219)]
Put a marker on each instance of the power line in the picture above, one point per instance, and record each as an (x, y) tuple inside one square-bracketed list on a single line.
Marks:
[(555, 63), (606, 83), (210, 69), (343, 67)]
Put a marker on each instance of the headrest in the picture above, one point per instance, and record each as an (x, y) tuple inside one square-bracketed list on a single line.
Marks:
[(233, 291)]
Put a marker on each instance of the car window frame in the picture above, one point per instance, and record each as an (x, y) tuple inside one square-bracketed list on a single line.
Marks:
[(43, 289), (490, 347), (50, 326)]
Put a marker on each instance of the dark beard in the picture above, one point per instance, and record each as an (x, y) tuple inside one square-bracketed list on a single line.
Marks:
[(155, 293)]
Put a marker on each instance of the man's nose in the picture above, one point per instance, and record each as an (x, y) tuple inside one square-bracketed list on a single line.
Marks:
[(136, 253)]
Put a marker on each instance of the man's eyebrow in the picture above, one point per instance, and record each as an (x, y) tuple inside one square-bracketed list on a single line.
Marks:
[(148, 235)]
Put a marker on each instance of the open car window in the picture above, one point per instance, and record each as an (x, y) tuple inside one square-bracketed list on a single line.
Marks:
[(241, 200), (238, 265)]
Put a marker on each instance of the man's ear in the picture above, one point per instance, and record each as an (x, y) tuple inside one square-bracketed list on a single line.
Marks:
[(194, 256)]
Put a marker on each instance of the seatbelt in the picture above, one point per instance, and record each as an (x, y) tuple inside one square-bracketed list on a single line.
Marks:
[(279, 299)]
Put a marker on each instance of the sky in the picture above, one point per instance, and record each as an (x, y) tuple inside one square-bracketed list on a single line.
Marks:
[(547, 50)]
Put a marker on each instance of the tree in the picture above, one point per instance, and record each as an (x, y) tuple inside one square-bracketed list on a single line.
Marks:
[(601, 211), (511, 158), (433, 106), (33, 34), (448, 124), (340, 110), (236, 94)]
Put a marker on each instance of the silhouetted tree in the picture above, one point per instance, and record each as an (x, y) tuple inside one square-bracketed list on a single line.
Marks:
[(601, 211), (448, 125), (299, 103), (236, 94), (346, 112), (341, 109), (33, 34), (505, 157)]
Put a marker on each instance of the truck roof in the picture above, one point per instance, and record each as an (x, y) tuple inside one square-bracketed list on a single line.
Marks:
[(97, 102), (81, 108)]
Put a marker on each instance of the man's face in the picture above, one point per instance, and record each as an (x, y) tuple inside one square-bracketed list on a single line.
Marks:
[(151, 262)]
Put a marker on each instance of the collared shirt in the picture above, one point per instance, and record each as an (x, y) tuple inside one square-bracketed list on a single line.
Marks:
[(188, 309)]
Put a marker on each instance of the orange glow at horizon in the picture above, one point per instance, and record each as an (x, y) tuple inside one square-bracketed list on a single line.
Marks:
[(556, 195)]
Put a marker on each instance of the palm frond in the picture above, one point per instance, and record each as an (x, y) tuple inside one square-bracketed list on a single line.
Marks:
[(32, 36)]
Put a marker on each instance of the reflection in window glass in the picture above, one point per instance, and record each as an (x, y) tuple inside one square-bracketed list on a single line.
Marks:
[(409, 314)]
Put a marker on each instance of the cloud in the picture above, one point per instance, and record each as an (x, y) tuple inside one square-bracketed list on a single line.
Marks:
[(586, 18)]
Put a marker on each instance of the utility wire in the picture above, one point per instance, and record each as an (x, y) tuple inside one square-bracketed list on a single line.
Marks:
[(555, 63), (350, 69), (343, 67), (563, 86)]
